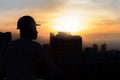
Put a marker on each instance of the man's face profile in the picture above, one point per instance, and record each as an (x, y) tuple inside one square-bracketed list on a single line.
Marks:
[(33, 33)]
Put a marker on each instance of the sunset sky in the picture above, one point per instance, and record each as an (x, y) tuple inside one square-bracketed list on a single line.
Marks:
[(97, 21)]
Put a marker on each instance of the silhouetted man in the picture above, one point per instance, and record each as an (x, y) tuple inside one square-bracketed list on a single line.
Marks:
[(23, 54)]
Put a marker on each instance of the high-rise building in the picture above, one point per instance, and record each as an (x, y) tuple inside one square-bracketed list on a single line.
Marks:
[(5, 38), (92, 50), (64, 46), (95, 47), (64, 42), (63, 34), (104, 47)]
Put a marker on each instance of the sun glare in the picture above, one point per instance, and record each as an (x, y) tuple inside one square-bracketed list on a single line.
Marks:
[(68, 24)]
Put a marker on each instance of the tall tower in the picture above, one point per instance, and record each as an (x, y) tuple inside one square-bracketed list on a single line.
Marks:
[(64, 46), (65, 43), (5, 38), (95, 47), (104, 47)]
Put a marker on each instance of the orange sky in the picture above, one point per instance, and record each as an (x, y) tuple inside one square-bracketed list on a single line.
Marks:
[(88, 18)]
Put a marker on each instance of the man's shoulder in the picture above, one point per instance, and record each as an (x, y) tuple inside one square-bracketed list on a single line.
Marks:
[(36, 43), (26, 42), (37, 47)]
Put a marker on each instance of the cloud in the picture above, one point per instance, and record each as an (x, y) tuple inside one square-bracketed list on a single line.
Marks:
[(106, 26), (96, 4), (108, 22), (103, 2), (32, 4)]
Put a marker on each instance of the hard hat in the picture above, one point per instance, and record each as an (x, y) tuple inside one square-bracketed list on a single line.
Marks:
[(26, 22)]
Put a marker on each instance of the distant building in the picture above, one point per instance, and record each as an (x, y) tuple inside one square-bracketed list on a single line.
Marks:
[(64, 44), (64, 40), (92, 50), (103, 47), (63, 34), (5, 38), (95, 47)]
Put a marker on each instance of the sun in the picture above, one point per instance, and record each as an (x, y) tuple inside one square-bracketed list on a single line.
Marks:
[(68, 24)]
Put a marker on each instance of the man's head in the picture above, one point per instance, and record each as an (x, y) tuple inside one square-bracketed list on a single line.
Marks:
[(27, 26)]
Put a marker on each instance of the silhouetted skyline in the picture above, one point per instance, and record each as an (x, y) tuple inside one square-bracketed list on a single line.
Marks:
[(96, 20), (85, 42), (66, 51)]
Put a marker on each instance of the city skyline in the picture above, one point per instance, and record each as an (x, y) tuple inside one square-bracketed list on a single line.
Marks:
[(97, 21)]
